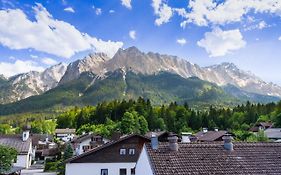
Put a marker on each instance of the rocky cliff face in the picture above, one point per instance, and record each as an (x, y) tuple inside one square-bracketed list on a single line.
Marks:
[(32, 83)]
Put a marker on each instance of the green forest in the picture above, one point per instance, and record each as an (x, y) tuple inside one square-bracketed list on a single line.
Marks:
[(140, 116)]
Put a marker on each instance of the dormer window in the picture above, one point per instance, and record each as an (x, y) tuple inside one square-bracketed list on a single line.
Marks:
[(122, 151), (132, 151)]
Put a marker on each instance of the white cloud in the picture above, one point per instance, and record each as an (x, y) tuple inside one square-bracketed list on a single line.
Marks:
[(126, 3), (162, 11), (279, 38), (111, 11), (47, 34), (49, 61), (262, 25), (108, 47), (133, 34), (181, 41), (19, 66), (98, 11), (69, 9), (219, 42), (34, 56), (213, 12)]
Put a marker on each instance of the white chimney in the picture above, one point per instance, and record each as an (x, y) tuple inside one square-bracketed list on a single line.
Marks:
[(173, 143), (185, 137), (228, 145), (205, 130), (25, 133), (154, 141)]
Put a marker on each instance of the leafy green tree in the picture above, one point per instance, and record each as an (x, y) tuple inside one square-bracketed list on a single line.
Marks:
[(143, 125), (43, 126), (5, 129), (7, 157), (128, 123)]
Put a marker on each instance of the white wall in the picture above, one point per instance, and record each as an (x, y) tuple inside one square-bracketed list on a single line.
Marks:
[(95, 168), (80, 146), (143, 166), (24, 160)]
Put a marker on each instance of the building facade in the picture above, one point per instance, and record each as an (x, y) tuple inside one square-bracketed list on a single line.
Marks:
[(116, 158)]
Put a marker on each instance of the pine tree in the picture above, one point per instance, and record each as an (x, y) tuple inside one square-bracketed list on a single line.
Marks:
[(68, 152)]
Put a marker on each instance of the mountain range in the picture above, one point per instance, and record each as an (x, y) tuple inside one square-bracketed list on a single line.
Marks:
[(128, 74)]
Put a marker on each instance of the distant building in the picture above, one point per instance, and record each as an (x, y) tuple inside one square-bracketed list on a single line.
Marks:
[(43, 144), (23, 144), (87, 142), (161, 135), (209, 136), (261, 126), (205, 158), (114, 158), (65, 135)]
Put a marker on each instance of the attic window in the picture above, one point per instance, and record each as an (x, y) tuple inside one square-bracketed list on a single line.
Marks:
[(122, 151), (132, 151)]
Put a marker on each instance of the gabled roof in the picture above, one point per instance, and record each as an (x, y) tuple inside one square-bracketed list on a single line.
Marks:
[(85, 137), (15, 141), (265, 125), (105, 146), (212, 158), (40, 137), (65, 131), (210, 135)]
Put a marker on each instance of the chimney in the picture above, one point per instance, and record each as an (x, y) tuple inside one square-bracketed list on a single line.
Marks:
[(185, 137), (47, 138), (205, 130), (173, 142), (228, 145), (25, 133), (154, 141)]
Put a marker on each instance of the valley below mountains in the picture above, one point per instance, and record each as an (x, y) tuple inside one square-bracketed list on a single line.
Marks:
[(131, 73)]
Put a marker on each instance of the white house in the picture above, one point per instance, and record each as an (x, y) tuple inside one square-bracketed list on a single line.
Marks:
[(23, 144), (114, 158), (65, 134), (87, 142)]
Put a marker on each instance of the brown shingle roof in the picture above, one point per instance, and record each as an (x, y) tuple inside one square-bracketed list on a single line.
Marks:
[(65, 131), (210, 136), (103, 147), (212, 158), (15, 141)]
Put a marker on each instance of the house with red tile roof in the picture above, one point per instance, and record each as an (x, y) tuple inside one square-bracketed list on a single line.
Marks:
[(205, 158)]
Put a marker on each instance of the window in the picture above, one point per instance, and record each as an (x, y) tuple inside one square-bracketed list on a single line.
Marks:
[(133, 171), (123, 171), (86, 148), (122, 151), (132, 151), (104, 172)]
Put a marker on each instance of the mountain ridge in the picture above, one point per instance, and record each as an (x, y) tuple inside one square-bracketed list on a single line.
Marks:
[(131, 59)]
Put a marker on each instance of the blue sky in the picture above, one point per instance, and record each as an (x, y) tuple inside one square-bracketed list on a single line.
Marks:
[(37, 34)]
